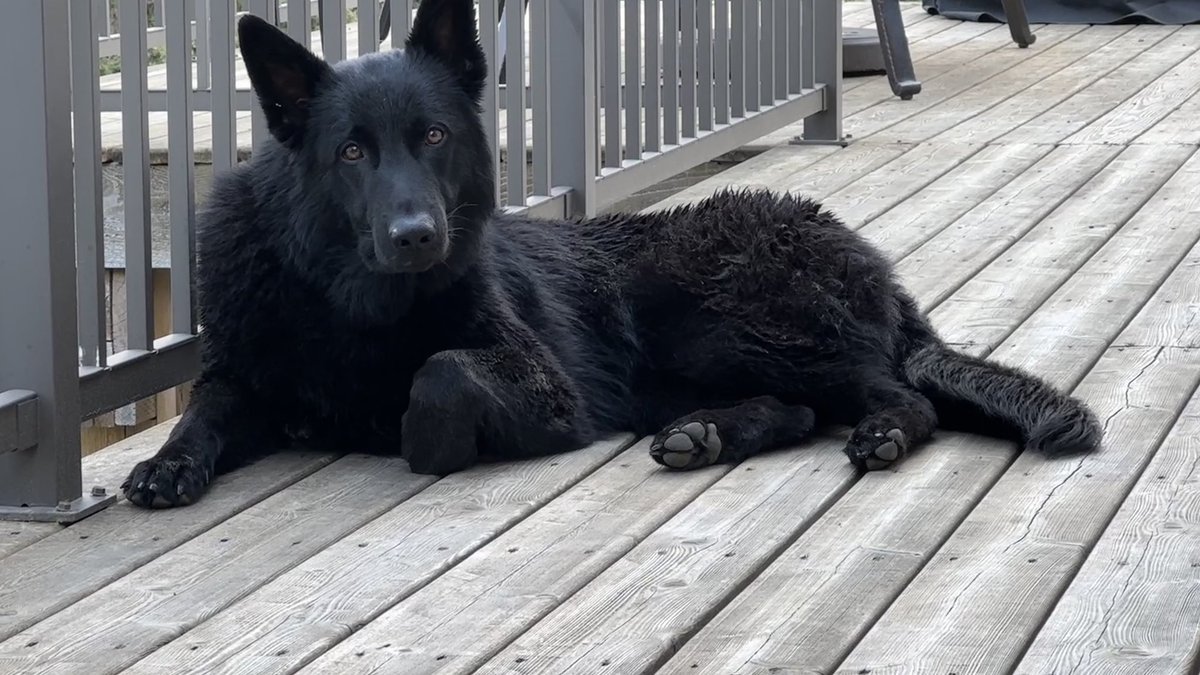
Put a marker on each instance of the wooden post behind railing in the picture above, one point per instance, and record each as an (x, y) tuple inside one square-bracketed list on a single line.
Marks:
[(38, 332)]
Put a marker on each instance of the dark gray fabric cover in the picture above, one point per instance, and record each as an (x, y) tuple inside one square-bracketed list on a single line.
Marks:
[(1074, 11)]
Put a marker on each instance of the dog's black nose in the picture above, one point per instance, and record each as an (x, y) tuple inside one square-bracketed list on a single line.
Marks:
[(413, 234)]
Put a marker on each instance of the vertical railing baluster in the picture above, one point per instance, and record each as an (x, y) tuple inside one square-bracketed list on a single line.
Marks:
[(488, 18), (670, 71), (652, 103), (781, 49), (753, 47), (514, 80), (224, 123), (299, 21), (721, 49), (402, 14), (687, 68), (795, 42), (368, 26), (540, 90), (264, 9), (737, 58), (766, 53), (180, 171), (89, 189), (573, 27), (135, 154), (704, 58), (633, 80), (611, 89), (333, 30), (808, 42), (204, 43)]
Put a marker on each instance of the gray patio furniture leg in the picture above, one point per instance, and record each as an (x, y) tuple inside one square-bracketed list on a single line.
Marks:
[(1018, 23), (894, 43)]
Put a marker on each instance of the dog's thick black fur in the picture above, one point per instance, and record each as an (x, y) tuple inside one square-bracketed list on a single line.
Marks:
[(358, 290)]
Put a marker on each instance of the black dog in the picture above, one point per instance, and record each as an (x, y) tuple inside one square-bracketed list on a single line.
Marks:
[(359, 291)]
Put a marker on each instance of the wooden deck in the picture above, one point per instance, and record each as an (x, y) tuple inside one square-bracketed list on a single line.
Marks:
[(1044, 204)]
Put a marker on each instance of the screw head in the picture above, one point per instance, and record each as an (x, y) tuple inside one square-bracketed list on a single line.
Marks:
[(64, 506), (99, 491)]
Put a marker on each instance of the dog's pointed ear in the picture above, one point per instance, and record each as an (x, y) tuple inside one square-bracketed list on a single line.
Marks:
[(446, 30), (285, 76)]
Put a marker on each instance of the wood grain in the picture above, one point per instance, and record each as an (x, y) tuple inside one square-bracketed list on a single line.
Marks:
[(1134, 607), (1106, 93), (1178, 127), (477, 608), (301, 614), (879, 191), (1071, 78), (795, 168), (61, 569), (648, 602), (1048, 233), (179, 589), (992, 91), (1118, 264), (1153, 103), (1172, 317), (950, 85), (901, 231), (978, 602)]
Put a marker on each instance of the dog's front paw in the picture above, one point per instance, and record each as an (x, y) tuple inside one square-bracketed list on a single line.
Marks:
[(438, 431), (167, 479)]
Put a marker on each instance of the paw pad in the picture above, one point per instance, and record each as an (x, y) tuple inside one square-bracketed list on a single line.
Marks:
[(688, 446), (878, 450)]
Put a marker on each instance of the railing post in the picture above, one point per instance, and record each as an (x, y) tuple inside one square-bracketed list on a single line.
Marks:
[(571, 44), (824, 27), (38, 332)]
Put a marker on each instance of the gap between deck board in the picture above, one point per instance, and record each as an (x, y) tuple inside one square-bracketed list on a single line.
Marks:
[(66, 566), (299, 615)]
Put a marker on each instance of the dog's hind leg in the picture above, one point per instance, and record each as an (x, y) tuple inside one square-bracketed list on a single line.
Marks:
[(731, 434), (898, 418)]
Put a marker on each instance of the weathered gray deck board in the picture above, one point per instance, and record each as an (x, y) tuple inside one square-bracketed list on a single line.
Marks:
[(976, 604), (301, 614), (476, 609), (1095, 101), (66, 566), (1133, 607), (182, 587), (1062, 235), (1078, 261), (1057, 87)]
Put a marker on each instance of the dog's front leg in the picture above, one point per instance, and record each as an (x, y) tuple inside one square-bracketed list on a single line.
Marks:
[(506, 401), (219, 426)]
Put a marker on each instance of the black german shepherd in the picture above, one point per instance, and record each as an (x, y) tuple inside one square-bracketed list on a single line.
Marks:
[(358, 290)]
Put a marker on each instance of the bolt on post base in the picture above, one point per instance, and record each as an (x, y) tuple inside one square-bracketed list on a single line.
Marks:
[(65, 513)]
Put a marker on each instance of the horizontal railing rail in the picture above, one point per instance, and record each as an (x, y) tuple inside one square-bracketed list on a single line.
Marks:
[(600, 99)]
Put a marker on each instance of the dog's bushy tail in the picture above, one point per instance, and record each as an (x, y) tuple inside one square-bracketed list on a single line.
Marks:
[(973, 394)]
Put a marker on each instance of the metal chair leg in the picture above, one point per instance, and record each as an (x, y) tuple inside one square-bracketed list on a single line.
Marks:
[(894, 43), (1018, 23)]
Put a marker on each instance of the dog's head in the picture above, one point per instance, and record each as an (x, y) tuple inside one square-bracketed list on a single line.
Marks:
[(394, 141)]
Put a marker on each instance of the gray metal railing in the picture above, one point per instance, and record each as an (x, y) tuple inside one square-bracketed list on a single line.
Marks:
[(611, 96)]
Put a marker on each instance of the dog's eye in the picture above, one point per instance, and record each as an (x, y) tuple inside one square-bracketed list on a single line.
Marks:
[(352, 152), (434, 135)]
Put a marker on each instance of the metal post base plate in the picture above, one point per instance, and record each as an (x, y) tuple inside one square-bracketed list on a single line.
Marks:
[(65, 513), (800, 140)]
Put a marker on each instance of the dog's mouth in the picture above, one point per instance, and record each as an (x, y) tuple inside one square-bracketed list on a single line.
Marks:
[(386, 262)]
